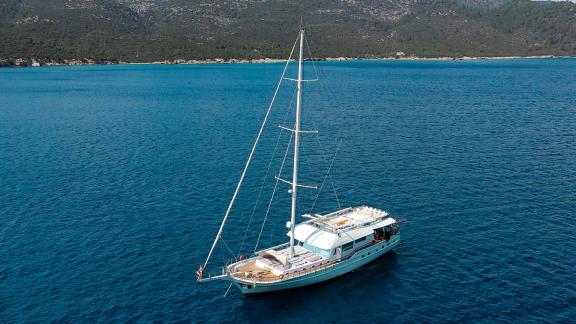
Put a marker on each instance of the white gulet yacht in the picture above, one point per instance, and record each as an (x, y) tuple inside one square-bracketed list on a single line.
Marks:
[(319, 249)]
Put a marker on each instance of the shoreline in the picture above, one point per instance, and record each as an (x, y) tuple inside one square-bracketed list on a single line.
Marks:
[(32, 62)]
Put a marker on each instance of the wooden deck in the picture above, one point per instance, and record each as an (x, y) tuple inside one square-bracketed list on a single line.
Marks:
[(250, 272)]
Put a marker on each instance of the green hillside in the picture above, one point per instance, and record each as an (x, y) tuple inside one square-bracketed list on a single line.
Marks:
[(152, 30)]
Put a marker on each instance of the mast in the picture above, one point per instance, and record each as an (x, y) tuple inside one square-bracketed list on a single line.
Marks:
[(246, 166), (296, 145)]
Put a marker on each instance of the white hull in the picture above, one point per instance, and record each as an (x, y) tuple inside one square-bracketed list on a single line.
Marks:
[(359, 259)]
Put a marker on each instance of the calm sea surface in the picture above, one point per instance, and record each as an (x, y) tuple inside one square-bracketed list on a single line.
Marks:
[(114, 180)]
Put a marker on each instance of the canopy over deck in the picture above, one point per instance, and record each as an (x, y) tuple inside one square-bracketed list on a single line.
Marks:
[(338, 228)]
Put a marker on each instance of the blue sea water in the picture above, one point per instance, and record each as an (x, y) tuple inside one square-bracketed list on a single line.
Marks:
[(114, 180)]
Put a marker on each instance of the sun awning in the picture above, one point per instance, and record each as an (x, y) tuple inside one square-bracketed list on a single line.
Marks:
[(283, 259)]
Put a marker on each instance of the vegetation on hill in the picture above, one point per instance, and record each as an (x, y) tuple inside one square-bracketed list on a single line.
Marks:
[(153, 30)]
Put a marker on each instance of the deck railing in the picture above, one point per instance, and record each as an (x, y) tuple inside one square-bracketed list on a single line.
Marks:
[(323, 266), (320, 224)]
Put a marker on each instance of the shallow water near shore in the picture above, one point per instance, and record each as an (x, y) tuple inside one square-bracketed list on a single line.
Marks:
[(114, 180)]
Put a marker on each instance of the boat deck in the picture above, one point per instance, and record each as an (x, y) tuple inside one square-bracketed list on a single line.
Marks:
[(249, 271), (350, 218), (275, 264), (264, 269)]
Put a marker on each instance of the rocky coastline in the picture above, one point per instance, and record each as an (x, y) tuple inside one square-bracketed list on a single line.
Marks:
[(39, 62)]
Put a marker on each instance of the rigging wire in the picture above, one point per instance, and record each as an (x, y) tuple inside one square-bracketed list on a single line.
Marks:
[(265, 176), (322, 149), (227, 290), (324, 180), (218, 235), (311, 58), (228, 247), (273, 192)]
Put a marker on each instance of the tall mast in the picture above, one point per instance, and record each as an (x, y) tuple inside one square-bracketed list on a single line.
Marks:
[(296, 145)]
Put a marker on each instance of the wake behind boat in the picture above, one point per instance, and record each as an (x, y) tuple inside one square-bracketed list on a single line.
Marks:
[(319, 249)]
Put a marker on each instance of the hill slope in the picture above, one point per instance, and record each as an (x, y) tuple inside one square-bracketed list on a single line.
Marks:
[(148, 30)]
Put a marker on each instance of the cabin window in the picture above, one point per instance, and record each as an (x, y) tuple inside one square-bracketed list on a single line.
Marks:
[(362, 239), (347, 246), (322, 252)]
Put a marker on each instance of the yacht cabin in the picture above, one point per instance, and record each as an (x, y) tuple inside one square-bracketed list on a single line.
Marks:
[(319, 242)]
